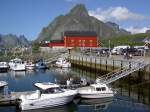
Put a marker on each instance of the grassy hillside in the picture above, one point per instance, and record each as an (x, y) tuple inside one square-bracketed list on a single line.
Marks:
[(132, 40)]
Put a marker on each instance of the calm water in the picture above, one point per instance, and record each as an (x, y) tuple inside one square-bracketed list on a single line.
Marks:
[(23, 81)]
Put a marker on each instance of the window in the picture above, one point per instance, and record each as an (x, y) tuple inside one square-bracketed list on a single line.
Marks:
[(91, 40), (101, 89), (72, 41), (98, 89)]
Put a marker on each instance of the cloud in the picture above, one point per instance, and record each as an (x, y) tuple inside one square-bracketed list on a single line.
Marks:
[(115, 14), (135, 30)]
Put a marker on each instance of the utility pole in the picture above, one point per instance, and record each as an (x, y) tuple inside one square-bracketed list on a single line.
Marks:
[(109, 50)]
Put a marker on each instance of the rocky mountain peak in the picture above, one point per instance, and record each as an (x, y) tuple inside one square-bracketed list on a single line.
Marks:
[(78, 19), (79, 10)]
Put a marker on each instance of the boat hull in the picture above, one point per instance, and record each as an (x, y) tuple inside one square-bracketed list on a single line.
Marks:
[(96, 95), (48, 102), (3, 69), (63, 65), (18, 67), (30, 67)]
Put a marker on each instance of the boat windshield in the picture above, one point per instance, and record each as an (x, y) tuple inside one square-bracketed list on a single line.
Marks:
[(53, 90), (101, 89)]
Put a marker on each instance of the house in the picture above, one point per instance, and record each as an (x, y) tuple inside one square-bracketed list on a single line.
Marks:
[(80, 39), (72, 39)]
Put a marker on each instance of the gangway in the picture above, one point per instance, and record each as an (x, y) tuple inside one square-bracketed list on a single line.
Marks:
[(115, 75)]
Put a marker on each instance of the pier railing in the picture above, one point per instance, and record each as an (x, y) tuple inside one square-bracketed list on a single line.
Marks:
[(115, 75)]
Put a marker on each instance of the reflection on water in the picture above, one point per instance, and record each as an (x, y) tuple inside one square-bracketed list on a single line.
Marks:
[(96, 104), (18, 74), (65, 108), (23, 81), (62, 71)]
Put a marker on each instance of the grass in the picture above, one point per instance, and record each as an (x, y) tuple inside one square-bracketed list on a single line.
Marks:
[(132, 40)]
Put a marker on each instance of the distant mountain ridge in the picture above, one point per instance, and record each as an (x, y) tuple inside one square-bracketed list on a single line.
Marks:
[(78, 19), (11, 40)]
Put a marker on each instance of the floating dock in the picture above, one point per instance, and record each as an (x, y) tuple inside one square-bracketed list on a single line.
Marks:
[(13, 98)]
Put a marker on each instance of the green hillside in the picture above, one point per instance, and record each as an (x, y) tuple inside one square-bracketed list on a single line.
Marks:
[(132, 40)]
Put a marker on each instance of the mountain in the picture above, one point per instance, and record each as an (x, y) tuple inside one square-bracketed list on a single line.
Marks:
[(119, 31), (11, 40), (77, 19)]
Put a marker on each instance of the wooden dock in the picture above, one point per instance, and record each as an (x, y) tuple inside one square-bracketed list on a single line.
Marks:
[(13, 98)]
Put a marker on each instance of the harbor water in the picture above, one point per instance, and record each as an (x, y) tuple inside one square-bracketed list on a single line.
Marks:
[(124, 101)]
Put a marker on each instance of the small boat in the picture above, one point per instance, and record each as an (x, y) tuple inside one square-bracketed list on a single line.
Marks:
[(4, 67), (40, 65), (17, 65), (63, 63), (98, 90), (30, 66), (47, 95)]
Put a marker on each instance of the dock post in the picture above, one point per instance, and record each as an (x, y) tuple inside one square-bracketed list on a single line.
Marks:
[(90, 63), (121, 64), (106, 65), (139, 75), (86, 61), (100, 63), (82, 61), (113, 65), (95, 64)]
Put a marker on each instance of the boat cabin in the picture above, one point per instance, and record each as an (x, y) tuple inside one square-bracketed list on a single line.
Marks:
[(99, 87), (16, 60), (48, 88)]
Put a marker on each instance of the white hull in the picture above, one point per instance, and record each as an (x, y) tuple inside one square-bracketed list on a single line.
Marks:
[(97, 95), (61, 62), (43, 103), (95, 91), (63, 65), (3, 67), (30, 67), (18, 67)]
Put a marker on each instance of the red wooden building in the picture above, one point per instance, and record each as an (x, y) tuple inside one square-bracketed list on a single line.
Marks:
[(76, 39), (80, 39)]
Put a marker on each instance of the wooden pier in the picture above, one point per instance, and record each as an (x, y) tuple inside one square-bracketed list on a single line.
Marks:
[(13, 98)]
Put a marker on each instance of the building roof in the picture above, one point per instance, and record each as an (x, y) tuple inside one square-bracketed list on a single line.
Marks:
[(80, 33)]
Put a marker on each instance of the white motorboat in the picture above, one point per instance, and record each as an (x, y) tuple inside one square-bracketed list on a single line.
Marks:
[(62, 62), (48, 95), (30, 66), (4, 67), (98, 90), (40, 65), (17, 65)]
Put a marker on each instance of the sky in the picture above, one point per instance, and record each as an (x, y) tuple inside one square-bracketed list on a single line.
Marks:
[(28, 17)]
